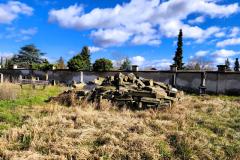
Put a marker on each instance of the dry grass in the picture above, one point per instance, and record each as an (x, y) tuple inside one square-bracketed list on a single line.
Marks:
[(9, 91), (196, 128)]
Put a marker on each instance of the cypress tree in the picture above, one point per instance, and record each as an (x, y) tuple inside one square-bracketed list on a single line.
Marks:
[(227, 63), (179, 52), (236, 67)]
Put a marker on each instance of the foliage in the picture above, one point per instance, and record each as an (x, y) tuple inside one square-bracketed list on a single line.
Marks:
[(60, 63), (102, 64), (179, 52), (126, 65), (227, 63), (28, 55), (236, 65), (45, 66), (80, 61)]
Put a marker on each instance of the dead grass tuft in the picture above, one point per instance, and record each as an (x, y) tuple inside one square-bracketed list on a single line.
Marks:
[(9, 91), (185, 131)]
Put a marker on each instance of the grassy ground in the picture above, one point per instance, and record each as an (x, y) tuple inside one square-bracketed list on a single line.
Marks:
[(195, 128), (16, 103)]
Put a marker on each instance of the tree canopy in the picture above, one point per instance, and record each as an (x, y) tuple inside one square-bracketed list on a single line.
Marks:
[(28, 55), (102, 64), (81, 61)]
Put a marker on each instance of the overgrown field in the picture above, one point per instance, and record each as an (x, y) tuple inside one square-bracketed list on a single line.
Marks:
[(195, 128)]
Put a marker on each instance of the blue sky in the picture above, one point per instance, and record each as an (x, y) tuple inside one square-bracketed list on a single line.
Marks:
[(143, 30)]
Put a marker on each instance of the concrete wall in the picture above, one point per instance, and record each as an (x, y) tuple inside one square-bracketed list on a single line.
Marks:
[(216, 82)]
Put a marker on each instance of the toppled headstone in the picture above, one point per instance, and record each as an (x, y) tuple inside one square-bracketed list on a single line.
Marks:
[(125, 90)]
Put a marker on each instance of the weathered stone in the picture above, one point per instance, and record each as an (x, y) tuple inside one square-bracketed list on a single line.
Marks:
[(131, 77), (148, 82), (139, 83), (131, 91), (162, 85)]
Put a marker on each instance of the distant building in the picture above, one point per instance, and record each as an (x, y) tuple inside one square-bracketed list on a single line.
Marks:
[(135, 67)]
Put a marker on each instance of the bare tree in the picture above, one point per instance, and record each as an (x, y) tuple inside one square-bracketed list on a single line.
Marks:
[(199, 63)]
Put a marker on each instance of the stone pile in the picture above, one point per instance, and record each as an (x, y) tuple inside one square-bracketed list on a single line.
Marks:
[(126, 90)]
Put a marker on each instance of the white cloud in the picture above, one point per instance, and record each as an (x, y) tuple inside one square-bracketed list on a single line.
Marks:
[(94, 49), (137, 60), (110, 37), (229, 42), (197, 20), (20, 35), (235, 31), (11, 10), (161, 19), (201, 53), (223, 53), (6, 54), (29, 31)]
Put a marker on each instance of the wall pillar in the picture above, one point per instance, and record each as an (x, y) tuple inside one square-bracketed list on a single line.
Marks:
[(81, 77), (202, 87), (174, 76), (1, 78), (46, 77), (20, 77)]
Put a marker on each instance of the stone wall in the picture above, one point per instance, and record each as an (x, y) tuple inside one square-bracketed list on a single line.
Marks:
[(216, 82)]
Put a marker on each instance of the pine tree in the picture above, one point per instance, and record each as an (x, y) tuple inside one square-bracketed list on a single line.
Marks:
[(236, 67), (227, 63), (179, 52)]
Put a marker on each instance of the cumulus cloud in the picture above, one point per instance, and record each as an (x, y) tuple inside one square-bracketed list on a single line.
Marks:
[(197, 20), (137, 60), (162, 19), (235, 31), (229, 42), (11, 10), (223, 53), (94, 49), (201, 53)]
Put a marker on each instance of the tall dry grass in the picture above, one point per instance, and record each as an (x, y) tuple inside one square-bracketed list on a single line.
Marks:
[(196, 128), (9, 91)]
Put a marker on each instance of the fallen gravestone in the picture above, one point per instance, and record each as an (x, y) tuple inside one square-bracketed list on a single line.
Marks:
[(123, 90)]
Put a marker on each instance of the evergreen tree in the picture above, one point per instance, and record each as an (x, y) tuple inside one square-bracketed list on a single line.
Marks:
[(227, 63), (236, 67), (60, 63), (28, 55), (126, 65), (80, 61), (86, 56), (179, 52)]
